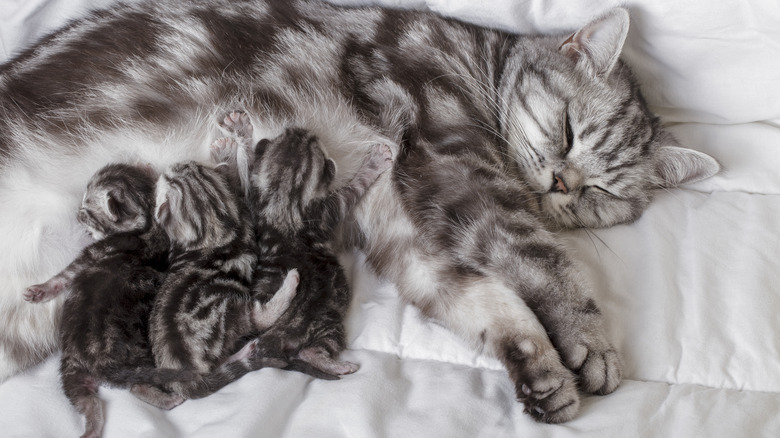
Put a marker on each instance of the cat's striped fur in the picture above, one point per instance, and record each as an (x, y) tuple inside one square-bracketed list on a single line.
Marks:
[(111, 287), (497, 137), (296, 212), (206, 307)]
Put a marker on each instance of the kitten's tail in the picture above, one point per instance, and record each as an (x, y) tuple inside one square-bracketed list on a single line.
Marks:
[(191, 384)]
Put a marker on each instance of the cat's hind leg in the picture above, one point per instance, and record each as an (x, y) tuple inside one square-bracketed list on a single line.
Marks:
[(82, 390), (265, 315), (323, 360), (40, 293), (156, 397)]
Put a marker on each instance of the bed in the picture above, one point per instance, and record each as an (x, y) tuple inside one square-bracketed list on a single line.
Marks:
[(690, 292)]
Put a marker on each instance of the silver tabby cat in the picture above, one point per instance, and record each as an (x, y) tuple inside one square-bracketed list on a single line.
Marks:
[(498, 138)]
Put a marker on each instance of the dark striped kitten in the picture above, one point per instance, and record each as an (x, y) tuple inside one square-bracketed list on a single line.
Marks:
[(295, 212), (112, 284), (205, 306)]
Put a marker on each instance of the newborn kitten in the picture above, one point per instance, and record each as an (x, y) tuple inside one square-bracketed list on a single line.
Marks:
[(295, 214), (104, 328), (205, 306)]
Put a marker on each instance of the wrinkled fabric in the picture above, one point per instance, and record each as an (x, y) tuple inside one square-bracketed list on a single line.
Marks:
[(690, 292)]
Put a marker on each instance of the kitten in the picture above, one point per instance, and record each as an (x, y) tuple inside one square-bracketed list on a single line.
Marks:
[(112, 284), (205, 306), (295, 212), (498, 139)]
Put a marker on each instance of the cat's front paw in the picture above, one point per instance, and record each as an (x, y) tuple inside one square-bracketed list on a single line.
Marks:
[(381, 157), (600, 372), (549, 395), (223, 150), (43, 292), (547, 389), (596, 361), (237, 123)]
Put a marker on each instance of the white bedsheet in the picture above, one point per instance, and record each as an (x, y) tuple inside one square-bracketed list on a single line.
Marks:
[(690, 292)]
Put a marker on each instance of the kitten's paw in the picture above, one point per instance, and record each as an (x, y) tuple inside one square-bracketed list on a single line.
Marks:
[(223, 150), (237, 123), (600, 372), (321, 359), (248, 351), (380, 158), (43, 292)]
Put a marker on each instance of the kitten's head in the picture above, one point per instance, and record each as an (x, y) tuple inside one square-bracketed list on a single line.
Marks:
[(119, 198), (196, 206), (287, 174), (582, 133)]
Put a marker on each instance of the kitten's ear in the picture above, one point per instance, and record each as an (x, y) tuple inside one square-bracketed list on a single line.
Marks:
[(598, 44), (111, 205), (330, 169), (677, 165)]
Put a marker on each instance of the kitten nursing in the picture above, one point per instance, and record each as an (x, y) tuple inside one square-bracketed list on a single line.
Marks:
[(114, 288), (497, 139), (296, 215)]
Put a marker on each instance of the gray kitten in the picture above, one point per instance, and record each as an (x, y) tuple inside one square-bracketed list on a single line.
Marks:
[(295, 212), (498, 139), (112, 286), (205, 307)]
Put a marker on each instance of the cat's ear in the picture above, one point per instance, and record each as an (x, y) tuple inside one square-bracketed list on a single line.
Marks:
[(330, 169), (597, 46), (111, 205), (677, 165)]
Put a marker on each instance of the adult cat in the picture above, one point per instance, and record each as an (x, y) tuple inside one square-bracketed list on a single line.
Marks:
[(497, 137)]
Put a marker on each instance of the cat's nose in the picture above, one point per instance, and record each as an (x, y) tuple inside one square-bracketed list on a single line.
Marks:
[(559, 184), (566, 180)]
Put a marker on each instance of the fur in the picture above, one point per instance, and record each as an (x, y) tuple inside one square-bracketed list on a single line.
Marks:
[(535, 132)]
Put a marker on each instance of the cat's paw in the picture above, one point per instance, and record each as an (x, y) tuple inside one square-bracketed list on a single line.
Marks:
[(596, 361), (43, 292), (322, 360), (600, 372), (547, 389), (237, 123), (381, 157), (549, 395), (223, 150)]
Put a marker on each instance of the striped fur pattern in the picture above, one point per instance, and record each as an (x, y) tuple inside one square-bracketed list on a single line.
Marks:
[(295, 212), (497, 139), (112, 285), (205, 307)]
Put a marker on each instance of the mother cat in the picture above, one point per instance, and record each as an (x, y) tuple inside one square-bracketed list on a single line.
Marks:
[(498, 138)]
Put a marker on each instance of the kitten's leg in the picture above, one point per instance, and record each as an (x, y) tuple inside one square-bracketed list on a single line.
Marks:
[(49, 290), (265, 315), (239, 125), (81, 389), (156, 396), (340, 202), (320, 358)]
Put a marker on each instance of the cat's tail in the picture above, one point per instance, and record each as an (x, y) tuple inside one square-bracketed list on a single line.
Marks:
[(192, 384), (203, 385)]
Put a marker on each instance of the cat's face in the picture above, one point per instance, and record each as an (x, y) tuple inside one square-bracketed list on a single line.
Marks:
[(196, 206), (119, 198), (582, 134), (288, 173)]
